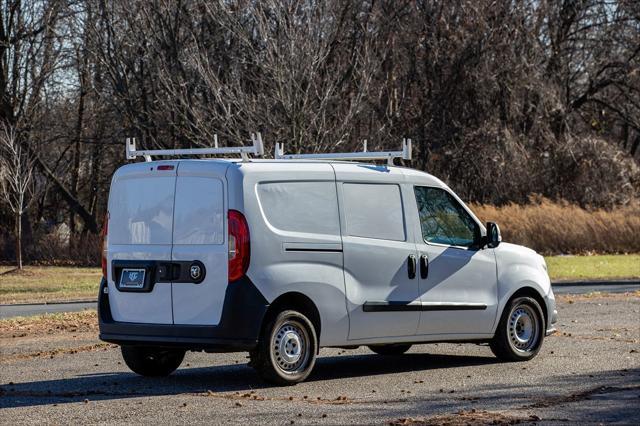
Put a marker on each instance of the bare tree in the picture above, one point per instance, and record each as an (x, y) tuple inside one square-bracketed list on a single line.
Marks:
[(544, 93), (16, 180)]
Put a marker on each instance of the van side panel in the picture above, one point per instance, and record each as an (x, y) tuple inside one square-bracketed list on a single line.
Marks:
[(295, 236), (378, 247)]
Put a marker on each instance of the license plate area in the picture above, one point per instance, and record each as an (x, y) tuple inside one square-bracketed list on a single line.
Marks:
[(134, 275), (132, 278)]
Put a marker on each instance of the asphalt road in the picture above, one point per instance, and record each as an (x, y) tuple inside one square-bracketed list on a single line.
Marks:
[(8, 311), (589, 372), (584, 287), (24, 310)]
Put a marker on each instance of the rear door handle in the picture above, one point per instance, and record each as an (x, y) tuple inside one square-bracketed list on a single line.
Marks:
[(412, 266), (167, 271), (424, 266)]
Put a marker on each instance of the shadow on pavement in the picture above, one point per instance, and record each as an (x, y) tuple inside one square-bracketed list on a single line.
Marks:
[(592, 398), (226, 378)]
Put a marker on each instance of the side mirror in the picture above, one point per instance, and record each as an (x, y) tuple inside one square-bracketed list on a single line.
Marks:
[(493, 235)]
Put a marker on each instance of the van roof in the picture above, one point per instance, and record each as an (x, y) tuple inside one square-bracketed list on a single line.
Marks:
[(408, 172)]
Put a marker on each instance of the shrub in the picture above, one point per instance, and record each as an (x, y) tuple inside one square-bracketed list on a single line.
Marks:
[(51, 249), (563, 228)]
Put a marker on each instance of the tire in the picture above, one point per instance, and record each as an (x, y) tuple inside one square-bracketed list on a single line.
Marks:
[(287, 349), (152, 362), (520, 332), (390, 350)]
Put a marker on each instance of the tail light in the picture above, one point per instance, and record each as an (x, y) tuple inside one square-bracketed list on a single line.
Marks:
[(105, 231), (239, 247)]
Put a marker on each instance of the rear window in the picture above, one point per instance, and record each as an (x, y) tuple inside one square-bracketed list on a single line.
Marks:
[(309, 207), (374, 211), (141, 210), (199, 215)]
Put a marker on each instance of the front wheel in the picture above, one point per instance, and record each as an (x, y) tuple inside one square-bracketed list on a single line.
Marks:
[(520, 332), (287, 348), (393, 349), (152, 361)]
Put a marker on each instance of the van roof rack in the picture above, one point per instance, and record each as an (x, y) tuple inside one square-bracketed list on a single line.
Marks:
[(256, 149), (405, 154)]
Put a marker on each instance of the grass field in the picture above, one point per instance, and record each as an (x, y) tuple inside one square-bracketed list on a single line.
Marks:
[(593, 267), (52, 283), (48, 283)]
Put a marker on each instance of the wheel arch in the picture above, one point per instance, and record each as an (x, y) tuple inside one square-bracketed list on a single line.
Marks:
[(295, 301), (534, 294)]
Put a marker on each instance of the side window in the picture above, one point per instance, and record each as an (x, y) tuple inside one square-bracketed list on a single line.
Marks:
[(373, 211), (309, 207), (443, 220)]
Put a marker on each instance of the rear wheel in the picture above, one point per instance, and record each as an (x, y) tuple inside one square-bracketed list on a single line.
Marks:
[(520, 332), (395, 349), (287, 348), (151, 361)]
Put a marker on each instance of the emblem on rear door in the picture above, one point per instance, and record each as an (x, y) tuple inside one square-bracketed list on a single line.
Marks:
[(195, 272)]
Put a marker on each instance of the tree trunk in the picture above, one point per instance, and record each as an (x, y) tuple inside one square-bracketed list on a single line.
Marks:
[(635, 146), (76, 153), (19, 240), (73, 202)]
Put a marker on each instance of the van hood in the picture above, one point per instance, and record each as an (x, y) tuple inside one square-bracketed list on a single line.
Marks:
[(521, 254), (517, 249)]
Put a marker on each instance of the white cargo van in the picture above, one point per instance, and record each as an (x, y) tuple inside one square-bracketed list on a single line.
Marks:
[(283, 257)]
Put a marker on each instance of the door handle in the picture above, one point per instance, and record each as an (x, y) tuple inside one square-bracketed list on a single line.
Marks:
[(424, 266), (412, 266), (167, 271)]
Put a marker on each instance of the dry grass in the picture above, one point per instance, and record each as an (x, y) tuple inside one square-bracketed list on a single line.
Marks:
[(562, 228), (597, 295), (67, 322), (472, 417), (48, 283), (49, 335)]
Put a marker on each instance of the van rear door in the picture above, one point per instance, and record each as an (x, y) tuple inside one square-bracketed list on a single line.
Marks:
[(200, 243), (140, 238)]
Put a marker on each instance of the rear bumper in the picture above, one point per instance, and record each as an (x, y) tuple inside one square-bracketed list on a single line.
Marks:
[(238, 330)]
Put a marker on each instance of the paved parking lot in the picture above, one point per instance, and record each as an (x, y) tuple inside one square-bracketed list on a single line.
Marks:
[(588, 372)]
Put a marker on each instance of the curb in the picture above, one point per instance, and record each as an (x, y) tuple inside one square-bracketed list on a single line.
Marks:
[(594, 283), (60, 302)]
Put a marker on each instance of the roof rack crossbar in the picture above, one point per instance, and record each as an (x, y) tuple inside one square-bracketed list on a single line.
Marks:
[(257, 149), (363, 155)]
